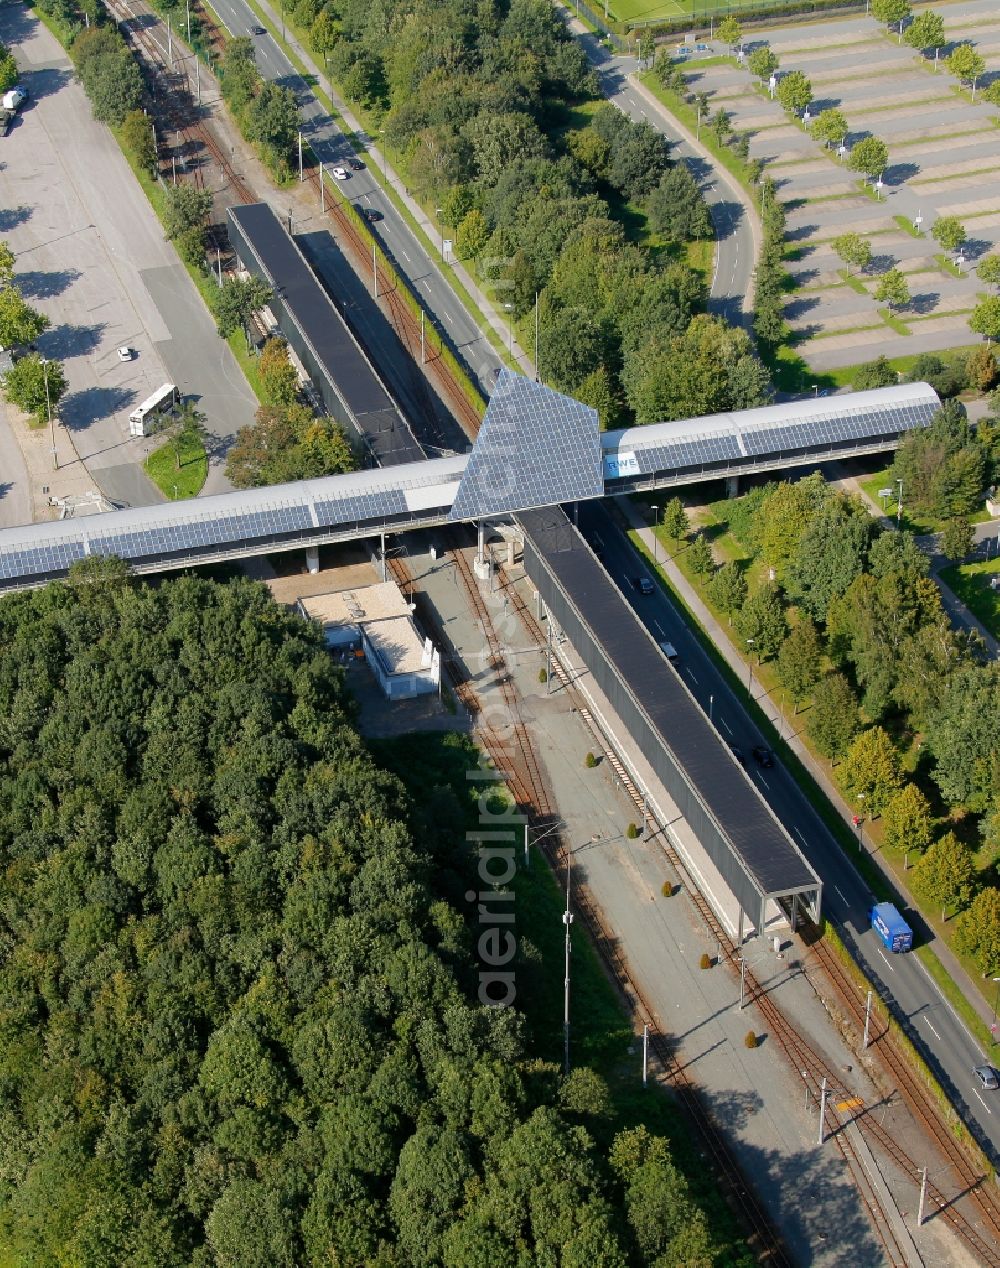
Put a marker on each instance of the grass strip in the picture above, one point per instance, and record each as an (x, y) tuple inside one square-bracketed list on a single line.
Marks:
[(893, 322), (908, 226), (179, 467), (971, 584)]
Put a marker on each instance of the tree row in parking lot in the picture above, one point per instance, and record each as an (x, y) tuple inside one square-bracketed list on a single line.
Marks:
[(903, 705)]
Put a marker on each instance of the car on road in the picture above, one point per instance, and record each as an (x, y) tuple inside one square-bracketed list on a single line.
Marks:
[(670, 651), (125, 353), (14, 98), (355, 165), (340, 173), (988, 1077), (371, 214), (258, 30), (763, 756), (703, 48), (644, 585)]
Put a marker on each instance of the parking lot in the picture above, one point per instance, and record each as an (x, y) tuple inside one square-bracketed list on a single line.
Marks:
[(91, 255), (944, 159)]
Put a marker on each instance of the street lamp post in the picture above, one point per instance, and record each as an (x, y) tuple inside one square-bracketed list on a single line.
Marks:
[(899, 504), (567, 921), (48, 407)]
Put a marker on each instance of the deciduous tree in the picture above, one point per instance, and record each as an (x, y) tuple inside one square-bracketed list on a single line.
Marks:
[(985, 318), (25, 385), (832, 722), (762, 618), (185, 207), (945, 874), (891, 12), (949, 232), (730, 32), (926, 31), (236, 303), (966, 64), (20, 324), (977, 931), (830, 126), (794, 91), (854, 250), (762, 62), (677, 208), (988, 270), (871, 769), (675, 521), (699, 556), (869, 156), (728, 589), (137, 136), (956, 538), (892, 289), (278, 377), (907, 825), (799, 661)]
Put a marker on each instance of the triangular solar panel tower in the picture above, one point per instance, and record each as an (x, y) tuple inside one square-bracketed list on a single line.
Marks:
[(536, 447)]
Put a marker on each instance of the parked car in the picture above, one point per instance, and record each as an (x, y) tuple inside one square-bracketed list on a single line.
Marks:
[(125, 353), (340, 173), (988, 1077), (682, 50), (763, 756), (702, 48), (644, 585), (355, 165)]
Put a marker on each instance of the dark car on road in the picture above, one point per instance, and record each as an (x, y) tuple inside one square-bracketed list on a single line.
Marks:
[(355, 165), (371, 214), (258, 30), (763, 756), (644, 585)]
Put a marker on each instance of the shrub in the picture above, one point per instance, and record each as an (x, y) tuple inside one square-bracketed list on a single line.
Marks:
[(543, 674), (632, 831), (750, 1039), (706, 960), (667, 889), (590, 761)]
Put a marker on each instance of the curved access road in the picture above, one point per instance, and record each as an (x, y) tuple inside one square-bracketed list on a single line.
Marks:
[(737, 224)]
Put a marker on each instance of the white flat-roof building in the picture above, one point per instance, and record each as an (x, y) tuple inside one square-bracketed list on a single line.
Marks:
[(378, 621)]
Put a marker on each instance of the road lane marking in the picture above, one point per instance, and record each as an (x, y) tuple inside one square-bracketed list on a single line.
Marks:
[(692, 673), (840, 891), (723, 722), (888, 965), (403, 252), (982, 1102), (932, 1030), (659, 629), (764, 781)]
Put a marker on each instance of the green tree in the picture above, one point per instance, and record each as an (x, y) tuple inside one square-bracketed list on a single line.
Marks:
[(728, 589), (9, 73), (189, 433), (830, 126), (831, 553), (273, 121), (762, 618), (891, 12), (600, 392), (869, 156), (699, 556), (892, 289), (981, 368), (138, 139), (907, 825), (871, 769), (20, 324), (854, 250), (721, 125), (25, 385), (985, 318), (284, 443), (961, 736), (6, 264), (949, 232), (926, 31), (799, 661), (874, 374), (677, 209), (185, 207), (945, 874), (324, 34), (113, 83), (236, 303), (988, 270), (832, 722), (966, 64), (730, 32), (794, 91), (570, 347), (957, 537), (499, 140), (675, 521), (762, 62), (472, 235), (278, 377), (784, 515), (977, 931)]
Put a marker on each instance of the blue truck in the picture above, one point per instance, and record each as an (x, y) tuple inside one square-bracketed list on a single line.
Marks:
[(890, 926)]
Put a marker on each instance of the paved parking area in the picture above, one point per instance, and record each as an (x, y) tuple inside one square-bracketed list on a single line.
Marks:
[(944, 160), (91, 255)]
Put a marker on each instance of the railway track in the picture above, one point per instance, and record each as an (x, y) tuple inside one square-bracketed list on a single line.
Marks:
[(979, 1230)]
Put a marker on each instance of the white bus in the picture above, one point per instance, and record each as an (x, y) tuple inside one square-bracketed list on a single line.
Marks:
[(163, 399)]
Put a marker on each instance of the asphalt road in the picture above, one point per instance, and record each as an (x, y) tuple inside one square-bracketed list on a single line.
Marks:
[(735, 252), (929, 1019), (395, 236)]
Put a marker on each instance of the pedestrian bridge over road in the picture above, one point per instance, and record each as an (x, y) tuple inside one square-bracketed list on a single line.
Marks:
[(536, 448)]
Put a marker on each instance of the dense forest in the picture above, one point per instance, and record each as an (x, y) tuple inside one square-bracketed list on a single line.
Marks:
[(240, 1021)]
